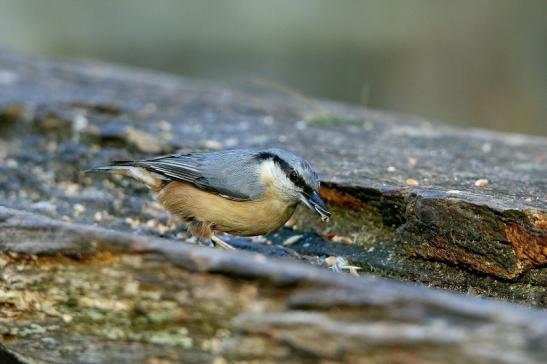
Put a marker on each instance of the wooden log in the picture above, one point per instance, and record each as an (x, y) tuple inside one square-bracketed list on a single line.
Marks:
[(93, 270)]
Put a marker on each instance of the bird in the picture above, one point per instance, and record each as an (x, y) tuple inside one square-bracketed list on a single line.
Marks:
[(243, 192)]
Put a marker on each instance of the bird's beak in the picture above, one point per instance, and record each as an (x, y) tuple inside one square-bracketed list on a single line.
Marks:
[(315, 203)]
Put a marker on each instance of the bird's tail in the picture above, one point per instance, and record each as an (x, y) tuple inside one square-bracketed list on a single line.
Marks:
[(132, 169), (114, 165)]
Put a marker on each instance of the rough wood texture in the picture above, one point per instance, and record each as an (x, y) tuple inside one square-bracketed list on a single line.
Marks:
[(78, 293), (409, 201)]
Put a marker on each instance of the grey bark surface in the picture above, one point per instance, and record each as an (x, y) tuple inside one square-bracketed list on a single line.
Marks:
[(93, 270)]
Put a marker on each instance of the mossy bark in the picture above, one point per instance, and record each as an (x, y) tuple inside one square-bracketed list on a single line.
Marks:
[(409, 201)]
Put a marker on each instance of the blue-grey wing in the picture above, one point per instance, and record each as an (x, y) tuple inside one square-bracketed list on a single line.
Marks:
[(232, 174)]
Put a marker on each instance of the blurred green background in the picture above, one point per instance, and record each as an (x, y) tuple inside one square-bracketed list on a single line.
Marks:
[(471, 63)]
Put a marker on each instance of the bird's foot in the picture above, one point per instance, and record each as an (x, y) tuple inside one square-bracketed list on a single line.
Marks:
[(338, 264), (221, 243)]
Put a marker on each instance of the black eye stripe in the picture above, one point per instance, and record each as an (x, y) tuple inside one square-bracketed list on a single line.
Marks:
[(291, 174)]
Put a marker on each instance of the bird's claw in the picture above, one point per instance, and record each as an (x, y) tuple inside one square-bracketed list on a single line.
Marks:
[(221, 243), (338, 264)]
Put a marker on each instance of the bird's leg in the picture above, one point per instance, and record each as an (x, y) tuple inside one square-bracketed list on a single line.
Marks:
[(221, 243), (202, 229)]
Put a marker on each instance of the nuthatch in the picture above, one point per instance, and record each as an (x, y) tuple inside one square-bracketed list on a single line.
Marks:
[(241, 192)]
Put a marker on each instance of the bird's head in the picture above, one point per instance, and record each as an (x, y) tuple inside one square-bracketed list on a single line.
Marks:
[(292, 178)]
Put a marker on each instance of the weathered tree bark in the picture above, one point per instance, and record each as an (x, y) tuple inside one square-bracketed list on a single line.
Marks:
[(94, 271)]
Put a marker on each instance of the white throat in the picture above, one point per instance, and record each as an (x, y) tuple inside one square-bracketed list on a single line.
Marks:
[(275, 180)]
